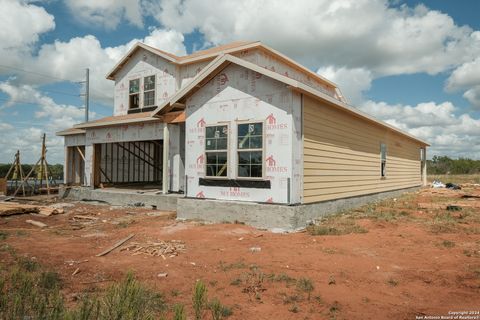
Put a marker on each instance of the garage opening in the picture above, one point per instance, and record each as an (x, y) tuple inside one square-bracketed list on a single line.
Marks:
[(75, 171), (137, 163)]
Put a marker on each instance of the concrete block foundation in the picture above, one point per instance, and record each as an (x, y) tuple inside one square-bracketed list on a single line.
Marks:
[(272, 216), (119, 197)]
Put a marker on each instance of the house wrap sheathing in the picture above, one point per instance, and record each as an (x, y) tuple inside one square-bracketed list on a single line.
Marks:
[(239, 122)]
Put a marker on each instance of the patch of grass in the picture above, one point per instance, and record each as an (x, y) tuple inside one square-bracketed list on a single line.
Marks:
[(175, 293), (253, 282), (235, 265), (179, 312), (28, 264), (334, 309), (294, 308), (129, 299), (335, 225), (283, 277), (293, 298), (218, 310), (199, 299), (50, 280), (236, 282), (448, 244), (392, 282), (305, 285), (3, 235), (471, 253), (21, 233)]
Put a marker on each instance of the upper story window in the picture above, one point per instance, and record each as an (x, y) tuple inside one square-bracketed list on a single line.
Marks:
[(250, 150), (149, 91), (134, 94), (383, 159), (216, 150)]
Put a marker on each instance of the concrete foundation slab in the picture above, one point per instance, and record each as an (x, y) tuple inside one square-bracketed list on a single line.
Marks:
[(272, 216), (122, 197)]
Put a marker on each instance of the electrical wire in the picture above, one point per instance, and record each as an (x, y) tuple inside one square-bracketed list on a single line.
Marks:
[(38, 74), (26, 102)]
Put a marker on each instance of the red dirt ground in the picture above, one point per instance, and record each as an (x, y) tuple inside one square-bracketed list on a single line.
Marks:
[(397, 270)]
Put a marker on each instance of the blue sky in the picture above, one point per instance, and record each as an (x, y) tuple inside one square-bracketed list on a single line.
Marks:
[(414, 64)]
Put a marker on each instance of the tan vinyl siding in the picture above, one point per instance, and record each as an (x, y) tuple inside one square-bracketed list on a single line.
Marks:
[(342, 155)]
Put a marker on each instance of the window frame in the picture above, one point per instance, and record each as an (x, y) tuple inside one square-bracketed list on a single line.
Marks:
[(227, 151), (130, 94), (154, 91), (237, 150), (383, 161)]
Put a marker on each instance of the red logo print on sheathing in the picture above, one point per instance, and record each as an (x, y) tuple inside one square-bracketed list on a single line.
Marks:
[(270, 161), (201, 159), (200, 195), (269, 200), (201, 123), (271, 119)]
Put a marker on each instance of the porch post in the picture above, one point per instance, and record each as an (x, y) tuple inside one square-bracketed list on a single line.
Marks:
[(165, 166)]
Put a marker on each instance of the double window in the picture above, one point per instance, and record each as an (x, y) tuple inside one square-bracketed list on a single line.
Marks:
[(148, 92), (249, 150), (383, 159)]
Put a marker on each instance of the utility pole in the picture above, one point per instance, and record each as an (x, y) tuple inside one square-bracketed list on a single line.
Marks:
[(87, 92)]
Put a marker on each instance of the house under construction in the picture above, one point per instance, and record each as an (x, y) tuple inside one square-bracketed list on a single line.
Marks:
[(238, 132)]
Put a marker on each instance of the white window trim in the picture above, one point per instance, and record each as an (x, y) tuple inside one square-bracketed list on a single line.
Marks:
[(225, 150), (237, 150)]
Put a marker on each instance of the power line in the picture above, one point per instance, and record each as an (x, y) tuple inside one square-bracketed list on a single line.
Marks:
[(37, 73), (26, 102)]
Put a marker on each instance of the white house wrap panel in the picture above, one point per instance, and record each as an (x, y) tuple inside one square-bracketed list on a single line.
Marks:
[(238, 95), (141, 65)]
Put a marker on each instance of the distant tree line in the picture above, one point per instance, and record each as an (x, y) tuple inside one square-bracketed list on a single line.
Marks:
[(55, 170), (446, 165)]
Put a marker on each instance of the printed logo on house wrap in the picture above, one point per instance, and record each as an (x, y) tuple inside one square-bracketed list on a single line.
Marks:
[(199, 129), (199, 164), (273, 125), (272, 165), (200, 195), (235, 193)]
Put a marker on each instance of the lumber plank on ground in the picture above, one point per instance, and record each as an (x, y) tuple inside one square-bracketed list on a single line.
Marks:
[(116, 245), (37, 223), (10, 208)]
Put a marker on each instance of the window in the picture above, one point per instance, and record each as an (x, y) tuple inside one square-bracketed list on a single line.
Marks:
[(148, 91), (134, 90), (383, 157), (216, 142), (250, 150)]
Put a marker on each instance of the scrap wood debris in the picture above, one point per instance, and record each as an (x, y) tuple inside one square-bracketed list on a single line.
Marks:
[(158, 249), (11, 208)]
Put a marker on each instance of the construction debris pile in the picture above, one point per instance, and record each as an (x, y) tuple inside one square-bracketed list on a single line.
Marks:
[(162, 249), (11, 208)]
